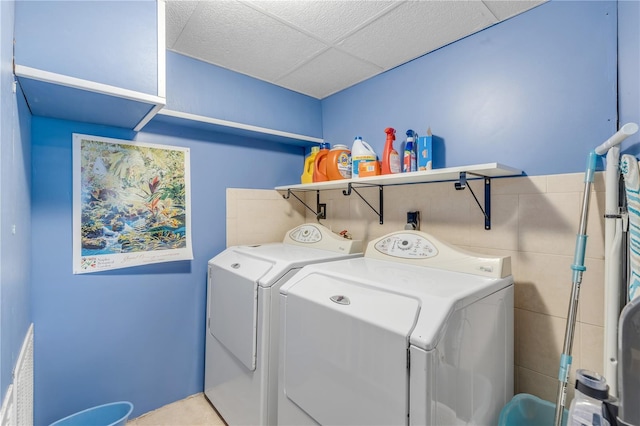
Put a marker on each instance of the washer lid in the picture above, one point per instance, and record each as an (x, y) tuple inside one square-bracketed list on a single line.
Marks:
[(345, 351), (279, 257), (438, 292)]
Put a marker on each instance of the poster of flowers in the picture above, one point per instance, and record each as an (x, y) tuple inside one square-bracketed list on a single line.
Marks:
[(131, 204)]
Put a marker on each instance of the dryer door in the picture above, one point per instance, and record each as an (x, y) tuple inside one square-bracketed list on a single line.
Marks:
[(233, 284), (345, 351)]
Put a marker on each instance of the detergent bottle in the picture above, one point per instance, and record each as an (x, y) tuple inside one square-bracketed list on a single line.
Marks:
[(409, 159), (320, 164), (361, 152), (390, 157), (339, 163), (307, 172)]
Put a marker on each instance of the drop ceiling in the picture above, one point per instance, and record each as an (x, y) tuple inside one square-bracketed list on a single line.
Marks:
[(321, 47)]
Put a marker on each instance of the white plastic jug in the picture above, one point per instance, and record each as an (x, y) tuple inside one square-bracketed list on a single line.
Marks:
[(360, 152)]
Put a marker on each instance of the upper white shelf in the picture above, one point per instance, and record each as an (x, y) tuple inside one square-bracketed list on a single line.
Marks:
[(69, 98), (239, 129), (435, 175)]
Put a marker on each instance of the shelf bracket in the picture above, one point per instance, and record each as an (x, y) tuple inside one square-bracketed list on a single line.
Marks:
[(320, 213), (379, 212), (486, 211)]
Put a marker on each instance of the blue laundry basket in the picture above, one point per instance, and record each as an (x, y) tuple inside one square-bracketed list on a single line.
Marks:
[(113, 414), (529, 410)]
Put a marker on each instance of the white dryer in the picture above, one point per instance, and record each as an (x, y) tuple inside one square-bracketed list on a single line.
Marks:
[(241, 360), (415, 332)]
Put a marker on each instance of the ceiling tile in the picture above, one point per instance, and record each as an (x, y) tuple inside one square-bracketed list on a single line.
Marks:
[(328, 20), (504, 9), (415, 28), (328, 73), (177, 16), (237, 37), (308, 50)]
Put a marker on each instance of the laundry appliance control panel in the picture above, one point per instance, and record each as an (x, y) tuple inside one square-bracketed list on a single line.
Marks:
[(306, 234), (405, 245), (421, 249), (314, 235)]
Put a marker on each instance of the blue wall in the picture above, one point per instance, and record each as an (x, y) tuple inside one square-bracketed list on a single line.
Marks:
[(126, 33), (138, 333), (200, 88), (536, 92), (15, 266), (629, 69)]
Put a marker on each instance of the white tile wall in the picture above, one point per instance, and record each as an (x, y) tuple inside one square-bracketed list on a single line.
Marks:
[(256, 216)]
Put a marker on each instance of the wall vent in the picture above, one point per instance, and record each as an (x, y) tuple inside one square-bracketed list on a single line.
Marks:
[(23, 381), (17, 407), (8, 412)]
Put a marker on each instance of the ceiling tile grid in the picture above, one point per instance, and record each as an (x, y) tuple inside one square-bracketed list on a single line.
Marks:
[(327, 20), (235, 36), (328, 73), (416, 28), (177, 16), (321, 47)]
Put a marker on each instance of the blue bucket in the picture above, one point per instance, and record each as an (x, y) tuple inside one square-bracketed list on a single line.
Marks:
[(113, 414), (529, 410)]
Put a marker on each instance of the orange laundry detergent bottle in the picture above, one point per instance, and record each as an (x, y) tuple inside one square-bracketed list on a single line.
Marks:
[(320, 164), (339, 163), (390, 157), (309, 161)]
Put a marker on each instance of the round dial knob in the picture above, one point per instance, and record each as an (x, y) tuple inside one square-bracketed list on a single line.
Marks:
[(405, 245)]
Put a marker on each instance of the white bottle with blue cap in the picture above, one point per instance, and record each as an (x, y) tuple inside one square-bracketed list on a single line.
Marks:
[(360, 152)]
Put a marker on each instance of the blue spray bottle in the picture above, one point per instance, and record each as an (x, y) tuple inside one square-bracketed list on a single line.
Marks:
[(409, 159)]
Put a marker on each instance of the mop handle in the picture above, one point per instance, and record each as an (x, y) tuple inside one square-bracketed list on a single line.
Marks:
[(578, 264), (578, 268)]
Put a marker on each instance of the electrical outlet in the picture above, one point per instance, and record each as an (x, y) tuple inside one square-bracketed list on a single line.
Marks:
[(322, 211), (413, 221)]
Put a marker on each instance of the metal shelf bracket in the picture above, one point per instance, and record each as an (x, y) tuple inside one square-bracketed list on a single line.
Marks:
[(380, 212), (320, 212), (486, 211)]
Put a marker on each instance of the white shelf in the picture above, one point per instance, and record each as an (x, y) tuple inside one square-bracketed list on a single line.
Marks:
[(69, 98), (436, 175), (231, 127)]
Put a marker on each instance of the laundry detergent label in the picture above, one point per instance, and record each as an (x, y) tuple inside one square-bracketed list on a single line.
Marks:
[(344, 165)]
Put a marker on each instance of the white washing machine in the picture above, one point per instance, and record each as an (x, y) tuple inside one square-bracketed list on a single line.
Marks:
[(241, 360), (415, 332)]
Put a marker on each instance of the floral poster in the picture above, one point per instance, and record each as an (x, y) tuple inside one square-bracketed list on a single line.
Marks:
[(131, 204)]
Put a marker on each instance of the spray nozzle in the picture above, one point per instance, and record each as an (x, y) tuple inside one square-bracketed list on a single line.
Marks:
[(391, 133), (411, 133)]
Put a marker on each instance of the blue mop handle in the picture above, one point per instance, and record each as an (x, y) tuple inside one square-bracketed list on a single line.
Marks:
[(578, 268), (578, 262), (592, 160), (578, 258), (581, 239)]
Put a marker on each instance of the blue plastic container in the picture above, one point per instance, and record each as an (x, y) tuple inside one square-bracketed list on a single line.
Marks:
[(113, 414), (529, 410)]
